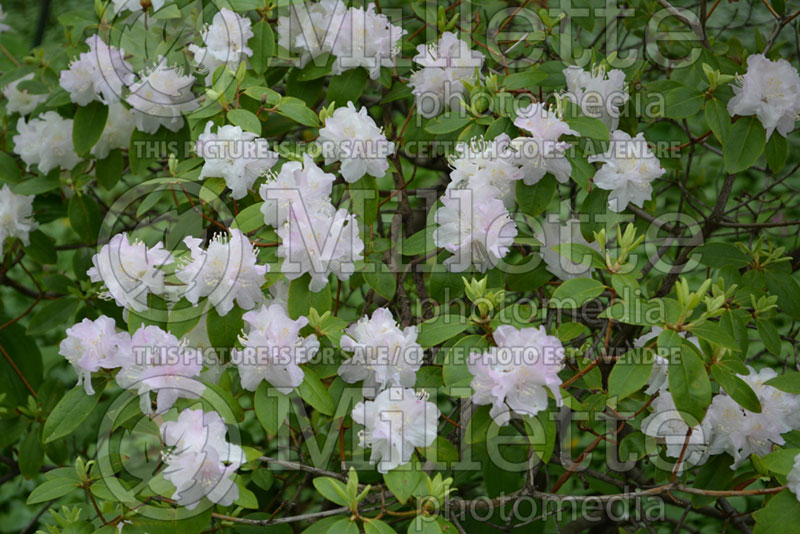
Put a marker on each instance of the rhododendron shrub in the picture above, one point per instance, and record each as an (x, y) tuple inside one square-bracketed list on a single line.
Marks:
[(427, 267)]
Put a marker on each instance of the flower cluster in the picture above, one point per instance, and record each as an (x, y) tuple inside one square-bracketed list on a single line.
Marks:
[(200, 462), (226, 42), (514, 376), (769, 90), (99, 74), (446, 66), (224, 272), (357, 37), (383, 355), (542, 152), (160, 98), (16, 216), (351, 137), (237, 156), (395, 423), (273, 349), (598, 93), (46, 141), (629, 167), (21, 100)]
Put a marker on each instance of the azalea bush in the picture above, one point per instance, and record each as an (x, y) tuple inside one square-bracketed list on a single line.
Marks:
[(333, 267)]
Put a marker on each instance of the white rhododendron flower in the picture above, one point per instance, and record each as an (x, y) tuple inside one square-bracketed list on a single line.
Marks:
[(99, 74), (600, 95), (46, 141), (201, 462), (629, 169), (769, 90), (542, 152), (94, 345), (311, 28), (224, 272), (793, 478), (447, 64), (775, 403), (273, 349), (237, 156), (117, 132), (319, 243), (665, 423), (383, 355), (16, 216), (395, 423), (366, 39), (297, 182), (560, 261), (515, 375), (160, 98), (159, 362), (489, 168), (740, 432), (478, 231), (353, 138), (225, 42), (22, 101), (130, 271)]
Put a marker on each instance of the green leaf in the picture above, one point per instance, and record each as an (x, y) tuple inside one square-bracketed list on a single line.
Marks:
[(223, 331), (301, 299), (714, 333), (314, 392), (718, 119), (534, 199), (776, 151), (523, 80), (780, 461), (325, 525), (769, 335), (31, 454), (788, 382), (295, 109), (630, 373), (440, 329), (688, 379), (246, 120), (447, 123), (717, 255), (347, 87), (781, 515), (381, 279), (51, 489), (70, 412), (271, 407), (683, 102), (41, 248), (9, 172), (333, 490), (744, 145), (788, 292), (84, 216), (574, 292), (716, 474), (441, 450), (109, 169), (376, 526), (402, 481), (419, 243), (88, 125), (589, 127), (54, 313), (737, 388), (364, 195), (263, 45)]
